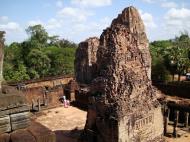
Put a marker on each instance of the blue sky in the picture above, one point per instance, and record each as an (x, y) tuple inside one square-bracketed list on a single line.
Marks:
[(77, 20)]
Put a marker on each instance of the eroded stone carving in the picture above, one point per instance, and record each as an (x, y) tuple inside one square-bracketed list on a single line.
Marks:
[(123, 105)]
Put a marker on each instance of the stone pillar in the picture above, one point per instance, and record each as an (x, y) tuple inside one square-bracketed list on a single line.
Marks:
[(1, 56), (176, 117), (33, 105), (45, 98), (186, 119), (166, 119), (39, 106), (54, 84)]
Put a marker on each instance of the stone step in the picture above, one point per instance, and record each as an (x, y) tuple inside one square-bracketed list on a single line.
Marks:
[(22, 136), (5, 128), (20, 116), (5, 137), (5, 124), (15, 110), (20, 124), (34, 133), (4, 120), (41, 133), (20, 120)]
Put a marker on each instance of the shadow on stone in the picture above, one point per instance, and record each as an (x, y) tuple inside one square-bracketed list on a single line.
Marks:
[(67, 135)]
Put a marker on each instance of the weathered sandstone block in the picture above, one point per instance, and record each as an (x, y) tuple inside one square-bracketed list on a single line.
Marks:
[(5, 124), (20, 120)]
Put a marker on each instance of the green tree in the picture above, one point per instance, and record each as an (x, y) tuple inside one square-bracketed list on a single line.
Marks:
[(67, 44), (54, 41), (160, 72), (38, 33), (178, 54), (39, 56), (15, 74), (38, 61), (62, 60)]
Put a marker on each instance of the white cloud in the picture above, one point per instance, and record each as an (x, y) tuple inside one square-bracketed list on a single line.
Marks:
[(149, 1), (9, 26), (74, 14), (92, 27), (180, 14), (53, 24), (14, 32), (147, 19), (4, 19), (59, 3), (82, 31), (92, 3), (169, 4), (176, 21)]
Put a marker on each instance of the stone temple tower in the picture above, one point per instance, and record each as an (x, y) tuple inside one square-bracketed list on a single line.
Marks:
[(123, 105)]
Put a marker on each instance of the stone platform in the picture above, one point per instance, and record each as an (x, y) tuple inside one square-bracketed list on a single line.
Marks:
[(34, 133)]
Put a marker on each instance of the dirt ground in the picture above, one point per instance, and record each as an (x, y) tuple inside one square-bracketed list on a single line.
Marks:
[(183, 135), (67, 123)]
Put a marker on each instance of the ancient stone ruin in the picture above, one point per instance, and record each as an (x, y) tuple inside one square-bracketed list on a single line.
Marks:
[(85, 61), (15, 122), (123, 105), (14, 112)]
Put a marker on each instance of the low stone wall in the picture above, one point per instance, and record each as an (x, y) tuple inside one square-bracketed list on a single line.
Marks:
[(48, 81), (46, 98), (175, 89)]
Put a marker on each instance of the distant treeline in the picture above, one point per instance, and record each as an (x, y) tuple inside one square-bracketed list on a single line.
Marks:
[(39, 56), (170, 57), (42, 55)]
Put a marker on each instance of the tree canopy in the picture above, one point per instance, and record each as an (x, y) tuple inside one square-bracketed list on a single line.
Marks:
[(170, 57), (39, 56)]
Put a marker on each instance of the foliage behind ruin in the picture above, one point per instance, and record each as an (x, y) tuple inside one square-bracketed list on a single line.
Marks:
[(39, 56), (42, 55)]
